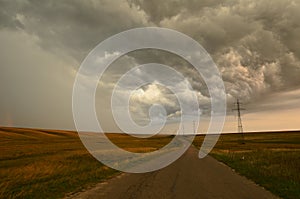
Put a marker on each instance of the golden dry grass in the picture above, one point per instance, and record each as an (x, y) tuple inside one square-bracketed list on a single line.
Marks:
[(45, 164), (38, 163), (139, 145), (50, 163)]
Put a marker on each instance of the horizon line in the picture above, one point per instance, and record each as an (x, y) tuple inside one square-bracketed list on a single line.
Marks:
[(247, 132)]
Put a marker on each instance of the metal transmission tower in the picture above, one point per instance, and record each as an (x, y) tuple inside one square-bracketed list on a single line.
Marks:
[(238, 108)]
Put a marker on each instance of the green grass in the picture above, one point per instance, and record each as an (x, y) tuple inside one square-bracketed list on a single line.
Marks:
[(272, 160)]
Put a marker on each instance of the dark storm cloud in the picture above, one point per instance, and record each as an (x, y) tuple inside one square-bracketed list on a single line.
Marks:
[(159, 10), (263, 33), (254, 43), (70, 27)]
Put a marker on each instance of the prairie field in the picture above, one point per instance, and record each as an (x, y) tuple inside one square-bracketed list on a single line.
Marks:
[(37, 163), (270, 159), (45, 164)]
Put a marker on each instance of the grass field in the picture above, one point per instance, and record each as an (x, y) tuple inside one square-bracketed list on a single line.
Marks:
[(50, 164), (272, 160), (45, 164)]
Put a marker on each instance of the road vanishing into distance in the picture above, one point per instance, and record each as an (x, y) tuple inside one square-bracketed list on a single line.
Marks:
[(187, 178)]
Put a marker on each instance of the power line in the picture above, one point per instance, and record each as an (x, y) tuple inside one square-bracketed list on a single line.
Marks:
[(238, 108)]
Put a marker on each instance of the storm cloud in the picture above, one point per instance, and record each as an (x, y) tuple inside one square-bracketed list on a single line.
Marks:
[(255, 45)]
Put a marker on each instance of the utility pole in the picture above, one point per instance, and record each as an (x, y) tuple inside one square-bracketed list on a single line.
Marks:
[(194, 128), (238, 108)]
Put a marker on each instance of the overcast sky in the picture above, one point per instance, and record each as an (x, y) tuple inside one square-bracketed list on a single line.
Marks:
[(255, 45)]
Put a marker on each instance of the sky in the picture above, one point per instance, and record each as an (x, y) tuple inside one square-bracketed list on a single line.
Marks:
[(255, 45)]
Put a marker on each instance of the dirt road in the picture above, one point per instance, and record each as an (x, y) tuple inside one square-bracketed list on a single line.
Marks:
[(188, 177)]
